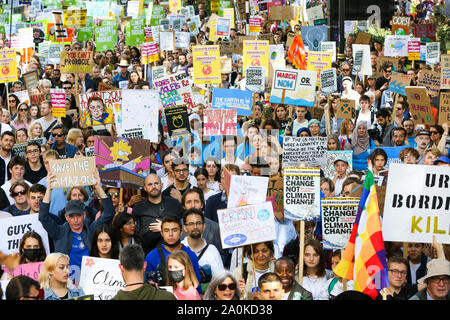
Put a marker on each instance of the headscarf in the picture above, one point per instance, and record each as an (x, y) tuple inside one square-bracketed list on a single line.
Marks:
[(336, 139), (303, 129), (359, 144)]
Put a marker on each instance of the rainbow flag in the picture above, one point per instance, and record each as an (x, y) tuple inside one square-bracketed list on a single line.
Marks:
[(365, 257)]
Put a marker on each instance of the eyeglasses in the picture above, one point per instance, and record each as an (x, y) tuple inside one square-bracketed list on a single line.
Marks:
[(437, 280), (345, 70), (180, 170), (192, 224), (396, 272), (67, 88), (388, 71), (113, 194), (223, 287), (23, 110), (22, 192), (433, 132), (57, 135), (12, 100), (33, 151)]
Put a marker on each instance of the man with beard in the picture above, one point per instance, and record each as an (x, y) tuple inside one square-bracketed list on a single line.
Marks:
[(207, 253), (285, 269), (149, 212), (399, 136), (6, 143), (422, 140), (157, 258), (408, 124)]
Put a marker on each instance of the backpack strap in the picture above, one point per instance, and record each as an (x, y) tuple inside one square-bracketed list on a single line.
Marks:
[(332, 284), (244, 272), (202, 252)]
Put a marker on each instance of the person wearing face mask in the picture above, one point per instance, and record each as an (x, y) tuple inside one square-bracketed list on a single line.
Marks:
[(181, 276)]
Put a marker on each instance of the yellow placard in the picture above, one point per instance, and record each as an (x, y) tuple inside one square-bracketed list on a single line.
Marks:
[(256, 53), (206, 64), (174, 6), (229, 13), (213, 29), (318, 61), (8, 65)]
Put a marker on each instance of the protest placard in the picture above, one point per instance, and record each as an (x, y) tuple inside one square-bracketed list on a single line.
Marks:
[(101, 111), (414, 212), (105, 37), (177, 121), (174, 90), (245, 190), (338, 217), (301, 193), (419, 105), (431, 81), (380, 60), (206, 64), (296, 87), (13, 229), (167, 40), (122, 162), (358, 59), (75, 18), (445, 71), (219, 122), (73, 172), (135, 32), (425, 31), (54, 53), (444, 108), (58, 101), (328, 83), (223, 27), (328, 168), (246, 225), (396, 46), (256, 53), (433, 53), (318, 61), (311, 151), (31, 79), (150, 52), (400, 25), (363, 38), (275, 193), (233, 99), (346, 108), (226, 65), (312, 36), (8, 65), (129, 121), (314, 13), (398, 83), (18, 149), (366, 65), (101, 277), (414, 49), (76, 61), (329, 46), (30, 270), (255, 79)]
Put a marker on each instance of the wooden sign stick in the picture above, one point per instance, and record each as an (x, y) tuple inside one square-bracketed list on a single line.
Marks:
[(405, 250), (301, 251), (327, 117), (344, 281), (7, 97)]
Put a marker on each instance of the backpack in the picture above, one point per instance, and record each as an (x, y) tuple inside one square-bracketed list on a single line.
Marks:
[(205, 270)]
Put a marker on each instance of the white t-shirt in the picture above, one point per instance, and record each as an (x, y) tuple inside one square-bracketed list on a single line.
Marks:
[(317, 286), (211, 256), (414, 268), (364, 117), (237, 162), (297, 126), (338, 186)]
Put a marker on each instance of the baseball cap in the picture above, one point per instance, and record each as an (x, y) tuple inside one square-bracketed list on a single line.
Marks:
[(347, 78), (372, 76), (342, 158), (423, 132), (74, 206), (443, 159)]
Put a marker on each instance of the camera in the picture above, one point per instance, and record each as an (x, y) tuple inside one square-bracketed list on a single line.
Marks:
[(155, 276), (375, 132)]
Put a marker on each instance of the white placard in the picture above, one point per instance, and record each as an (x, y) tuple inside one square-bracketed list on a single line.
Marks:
[(245, 190)]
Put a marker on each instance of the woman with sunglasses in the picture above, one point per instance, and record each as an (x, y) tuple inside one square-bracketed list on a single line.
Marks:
[(222, 286), (438, 138), (23, 119), (13, 102)]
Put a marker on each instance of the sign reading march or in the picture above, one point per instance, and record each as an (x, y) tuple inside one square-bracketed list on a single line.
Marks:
[(13, 229), (338, 216), (219, 122), (246, 225), (414, 212), (296, 87), (101, 277), (309, 150), (73, 172), (301, 193)]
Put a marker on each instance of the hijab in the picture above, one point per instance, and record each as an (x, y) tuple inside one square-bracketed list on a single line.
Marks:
[(359, 144)]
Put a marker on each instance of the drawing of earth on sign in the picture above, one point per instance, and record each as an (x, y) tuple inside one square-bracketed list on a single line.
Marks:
[(207, 69), (313, 36), (397, 46), (255, 62), (235, 240), (263, 214), (5, 70)]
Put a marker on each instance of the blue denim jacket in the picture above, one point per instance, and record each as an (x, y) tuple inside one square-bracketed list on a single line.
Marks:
[(49, 294)]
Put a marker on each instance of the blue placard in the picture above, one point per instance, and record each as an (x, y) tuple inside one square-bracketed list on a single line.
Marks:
[(233, 99), (312, 36), (393, 154)]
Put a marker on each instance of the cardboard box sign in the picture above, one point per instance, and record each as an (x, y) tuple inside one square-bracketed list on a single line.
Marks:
[(346, 109), (76, 61), (73, 172)]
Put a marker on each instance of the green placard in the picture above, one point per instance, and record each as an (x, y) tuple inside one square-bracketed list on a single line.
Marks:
[(112, 23), (158, 13), (4, 18), (105, 37), (85, 33), (135, 32)]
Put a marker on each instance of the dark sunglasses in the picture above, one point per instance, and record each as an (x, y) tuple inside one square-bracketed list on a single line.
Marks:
[(223, 287), (113, 194), (15, 194), (57, 134), (67, 88), (23, 109)]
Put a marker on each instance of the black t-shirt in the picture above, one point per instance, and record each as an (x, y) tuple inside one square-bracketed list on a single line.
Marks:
[(61, 152), (34, 176), (169, 188)]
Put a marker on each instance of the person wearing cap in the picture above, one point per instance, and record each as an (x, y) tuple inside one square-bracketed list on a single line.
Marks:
[(370, 89), (349, 92), (120, 80), (340, 167), (74, 237), (437, 280), (443, 161), (422, 139), (314, 127)]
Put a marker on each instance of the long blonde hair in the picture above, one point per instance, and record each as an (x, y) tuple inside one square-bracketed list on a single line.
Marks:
[(48, 266), (190, 279)]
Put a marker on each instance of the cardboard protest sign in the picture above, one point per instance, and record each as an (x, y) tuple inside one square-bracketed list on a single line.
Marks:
[(328, 82), (338, 217), (278, 12), (296, 87), (381, 60), (8, 65), (233, 99), (30, 270), (433, 53), (206, 64), (31, 79), (245, 190), (431, 81), (414, 212), (58, 101), (425, 31), (366, 65), (318, 61), (328, 167), (76, 61), (255, 79), (444, 108), (398, 83), (246, 225), (400, 25), (97, 112), (363, 38), (346, 108), (311, 151), (275, 193), (13, 229), (219, 122), (174, 90), (312, 36), (256, 53), (73, 172), (177, 121), (122, 162), (301, 193), (130, 122), (445, 71), (101, 277), (419, 105), (396, 46), (414, 49)]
